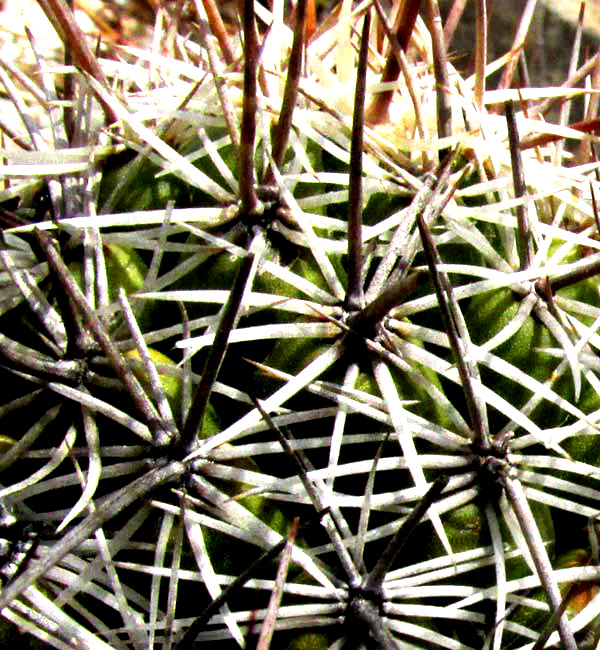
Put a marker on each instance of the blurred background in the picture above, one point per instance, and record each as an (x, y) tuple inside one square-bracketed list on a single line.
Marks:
[(549, 41), (132, 22)]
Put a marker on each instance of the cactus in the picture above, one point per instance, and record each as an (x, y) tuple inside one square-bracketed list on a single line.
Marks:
[(298, 368)]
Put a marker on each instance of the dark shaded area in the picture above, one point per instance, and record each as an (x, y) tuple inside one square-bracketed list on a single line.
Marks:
[(548, 44)]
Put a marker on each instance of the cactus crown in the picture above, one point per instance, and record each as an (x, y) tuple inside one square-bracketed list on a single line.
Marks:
[(297, 355)]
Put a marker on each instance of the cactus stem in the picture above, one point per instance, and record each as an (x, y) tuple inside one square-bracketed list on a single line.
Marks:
[(452, 318), (588, 268), (518, 501), (103, 339), (354, 295), (524, 240), (221, 87), (268, 626), (554, 619), (217, 27), (248, 198), (396, 247), (187, 641), (156, 385), (440, 67), (518, 43), (480, 51), (290, 95), (378, 111), (217, 352), (374, 581), (61, 17)]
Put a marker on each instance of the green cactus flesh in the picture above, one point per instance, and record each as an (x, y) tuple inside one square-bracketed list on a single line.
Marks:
[(320, 375)]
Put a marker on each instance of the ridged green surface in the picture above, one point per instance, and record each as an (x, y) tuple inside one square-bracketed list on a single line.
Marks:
[(368, 401)]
